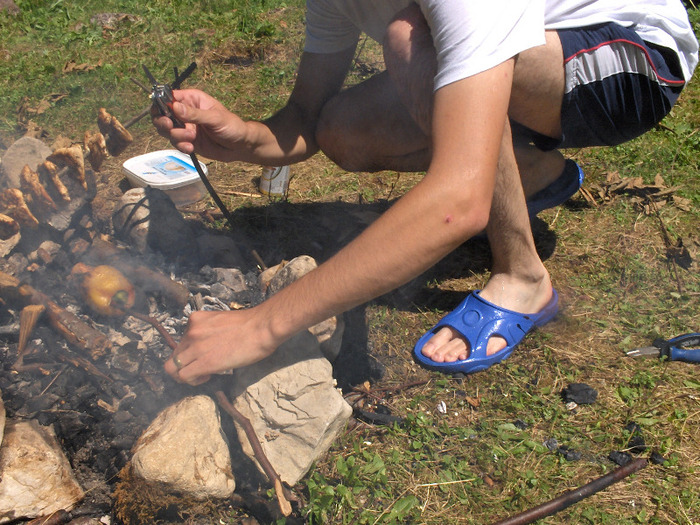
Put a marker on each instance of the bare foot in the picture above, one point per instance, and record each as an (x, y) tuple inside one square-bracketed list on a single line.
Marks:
[(448, 346)]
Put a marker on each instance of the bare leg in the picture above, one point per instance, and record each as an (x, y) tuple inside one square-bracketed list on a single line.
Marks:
[(519, 280), (385, 123)]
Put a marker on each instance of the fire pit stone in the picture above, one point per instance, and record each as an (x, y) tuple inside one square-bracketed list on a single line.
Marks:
[(25, 151), (36, 477), (185, 449)]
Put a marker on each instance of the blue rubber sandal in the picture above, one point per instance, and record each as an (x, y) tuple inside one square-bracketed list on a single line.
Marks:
[(559, 191), (477, 320)]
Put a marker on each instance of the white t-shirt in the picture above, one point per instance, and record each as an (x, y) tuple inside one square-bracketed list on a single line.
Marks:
[(472, 36)]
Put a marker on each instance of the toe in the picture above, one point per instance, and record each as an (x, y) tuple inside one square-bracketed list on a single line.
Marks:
[(446, 346), (432, 347)]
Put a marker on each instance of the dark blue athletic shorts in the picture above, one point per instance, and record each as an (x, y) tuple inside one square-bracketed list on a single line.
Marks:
[(617, 86)]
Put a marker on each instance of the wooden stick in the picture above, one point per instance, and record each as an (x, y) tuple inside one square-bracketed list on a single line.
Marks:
[(573, 496), (28, 318), (73, 329), (158, 326), (273, 476), (242, 194)]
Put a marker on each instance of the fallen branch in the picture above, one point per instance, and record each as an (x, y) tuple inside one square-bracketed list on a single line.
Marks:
[(273, 476), (74, 330), (573, 496)]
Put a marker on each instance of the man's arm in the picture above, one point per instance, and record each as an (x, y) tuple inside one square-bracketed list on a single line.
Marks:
[(286, 137), (447, 207)]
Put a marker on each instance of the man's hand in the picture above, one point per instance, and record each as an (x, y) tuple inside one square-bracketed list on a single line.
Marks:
[(210, 129), (218, 341)]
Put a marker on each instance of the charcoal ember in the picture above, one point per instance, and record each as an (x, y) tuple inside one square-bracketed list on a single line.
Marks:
[(656, 458), (13, 404), (122, 416), (123, 442), (620, 458), (580, 393), (569, 454), (147, 403), (106, 428), (105, 459), (127, 358), (636, 443), (64, 384), (41, 403), (47, 418), (86, 395), (73, 429)]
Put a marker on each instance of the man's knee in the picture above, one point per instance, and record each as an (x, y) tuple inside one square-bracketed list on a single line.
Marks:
[(334, 135)]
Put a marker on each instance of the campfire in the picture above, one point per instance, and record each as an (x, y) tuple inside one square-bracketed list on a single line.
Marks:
[(90, 311)]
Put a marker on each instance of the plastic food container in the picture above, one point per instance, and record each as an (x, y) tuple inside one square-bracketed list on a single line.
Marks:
[(170, 171)]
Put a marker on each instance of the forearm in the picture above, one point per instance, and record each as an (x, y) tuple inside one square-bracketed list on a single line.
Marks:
[(289, 135), (285, 138), (446, 208), (418, 231)]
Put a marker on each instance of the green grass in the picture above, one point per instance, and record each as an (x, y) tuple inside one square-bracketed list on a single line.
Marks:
[(477, 463)]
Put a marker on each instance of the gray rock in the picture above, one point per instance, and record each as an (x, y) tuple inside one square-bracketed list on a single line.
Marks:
[(328, 332), (232, 278), (285, 274), (219, 249), (230, 282), (130, 218), (36, 477), (291, 400), (148, 219), (25, 151), (185, 449)]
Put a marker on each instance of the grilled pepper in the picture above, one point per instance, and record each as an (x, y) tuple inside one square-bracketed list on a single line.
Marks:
[(105, 289)]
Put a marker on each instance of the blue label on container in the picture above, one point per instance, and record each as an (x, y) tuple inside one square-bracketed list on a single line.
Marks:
[(173, 167)]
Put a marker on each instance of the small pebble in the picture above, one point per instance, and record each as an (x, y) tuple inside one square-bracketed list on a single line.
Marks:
[(551, 444)]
